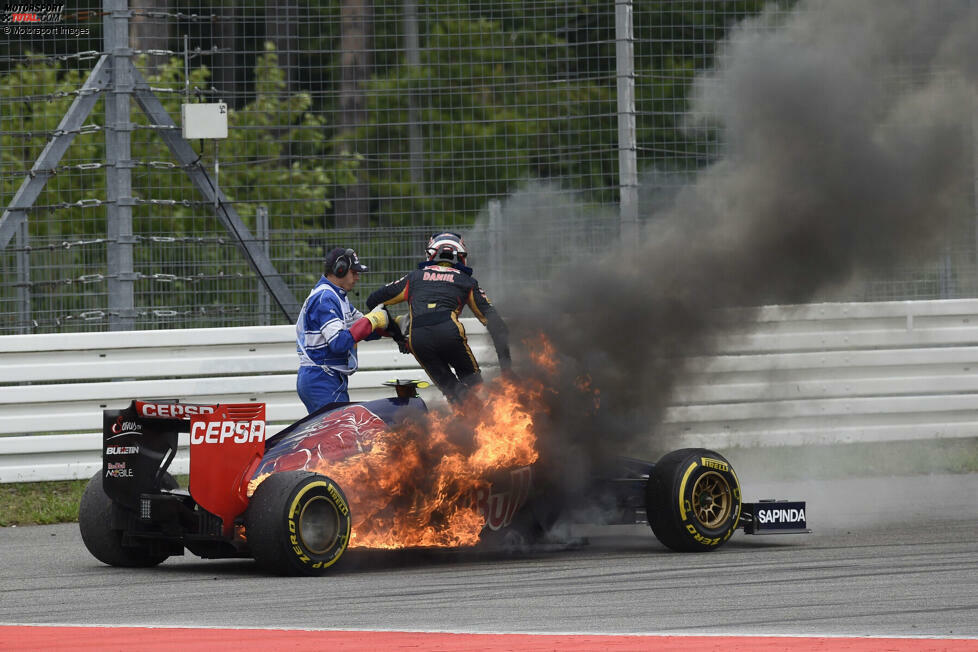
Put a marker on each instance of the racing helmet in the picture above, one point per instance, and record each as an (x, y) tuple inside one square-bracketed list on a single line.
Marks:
[(447, 247)]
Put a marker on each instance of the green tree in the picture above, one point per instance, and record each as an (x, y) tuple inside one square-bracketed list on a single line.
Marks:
[(497, 111), (274, 156), (273, 153)]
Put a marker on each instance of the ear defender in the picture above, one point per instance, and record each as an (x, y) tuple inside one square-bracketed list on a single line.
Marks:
[(343, 263)]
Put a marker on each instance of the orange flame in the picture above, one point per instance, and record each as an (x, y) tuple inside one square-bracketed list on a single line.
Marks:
[(415, 486), (543, 355), (583, 385)]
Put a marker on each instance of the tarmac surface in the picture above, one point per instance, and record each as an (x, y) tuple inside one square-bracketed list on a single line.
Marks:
[(888, 557)]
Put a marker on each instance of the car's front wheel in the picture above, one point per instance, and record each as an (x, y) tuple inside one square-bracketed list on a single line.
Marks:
[(298, 523), (692, 500)]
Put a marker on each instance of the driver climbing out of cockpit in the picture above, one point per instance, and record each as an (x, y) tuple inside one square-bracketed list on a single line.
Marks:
[(436, 293)]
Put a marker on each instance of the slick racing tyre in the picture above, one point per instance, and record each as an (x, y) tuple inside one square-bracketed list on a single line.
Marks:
[(97, 514), (298, 523), (692, 500)]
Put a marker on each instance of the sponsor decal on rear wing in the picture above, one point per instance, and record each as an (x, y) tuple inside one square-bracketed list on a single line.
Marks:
[(170, 410), (774, 517), (140, 442), (226, 446)]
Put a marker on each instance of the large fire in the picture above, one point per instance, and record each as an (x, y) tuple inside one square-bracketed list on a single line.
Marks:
[(416, 486), (433, 480)]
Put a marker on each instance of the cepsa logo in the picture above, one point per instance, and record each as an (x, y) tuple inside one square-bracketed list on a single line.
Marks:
[(173, 410), (218, 432)]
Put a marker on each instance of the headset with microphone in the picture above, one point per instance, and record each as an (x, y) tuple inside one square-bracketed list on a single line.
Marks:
[(343, 263)]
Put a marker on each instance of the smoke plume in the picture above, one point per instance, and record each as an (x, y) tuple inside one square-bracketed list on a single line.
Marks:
[(847, 130)]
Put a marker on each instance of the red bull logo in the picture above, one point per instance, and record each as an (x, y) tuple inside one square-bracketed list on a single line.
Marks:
[(499, 508)]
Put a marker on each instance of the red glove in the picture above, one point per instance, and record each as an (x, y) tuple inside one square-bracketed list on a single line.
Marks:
[(375, 320)]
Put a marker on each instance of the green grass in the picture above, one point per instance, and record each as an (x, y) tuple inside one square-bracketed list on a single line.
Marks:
[(41, 503)]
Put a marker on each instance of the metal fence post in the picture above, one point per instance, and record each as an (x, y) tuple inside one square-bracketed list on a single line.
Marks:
[(118, 175), (226, 212), (22, 243), (627, 147), (261, 232), (495, 244), (974, 195), (413, 58)]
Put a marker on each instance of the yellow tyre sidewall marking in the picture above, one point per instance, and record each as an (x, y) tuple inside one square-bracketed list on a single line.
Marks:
[(334, 497), (736, 493), (735, 490), (682, 490)]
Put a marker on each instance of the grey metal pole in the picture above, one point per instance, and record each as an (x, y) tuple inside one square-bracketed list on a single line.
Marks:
[(969, 287), (413, 56), (118, 174), (16, 211), (22, 240), (261, 232), (627, 145), (227, 214), (495, 245), (974, 162)]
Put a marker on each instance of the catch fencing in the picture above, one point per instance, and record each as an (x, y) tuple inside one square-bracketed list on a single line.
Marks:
[(798, 375), (350, 122)]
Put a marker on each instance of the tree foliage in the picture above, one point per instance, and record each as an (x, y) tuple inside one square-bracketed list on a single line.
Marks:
[(495, 111), (504, 93), (274, 156), (273, 153)]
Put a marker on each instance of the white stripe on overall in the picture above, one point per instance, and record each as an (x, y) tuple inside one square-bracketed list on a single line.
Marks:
[(350, 315)]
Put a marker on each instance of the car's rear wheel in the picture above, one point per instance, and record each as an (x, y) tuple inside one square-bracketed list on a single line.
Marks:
[(298, 523), (692, 500), (98, 518)]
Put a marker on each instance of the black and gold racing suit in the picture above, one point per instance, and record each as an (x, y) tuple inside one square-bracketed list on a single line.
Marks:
[(436, 294)]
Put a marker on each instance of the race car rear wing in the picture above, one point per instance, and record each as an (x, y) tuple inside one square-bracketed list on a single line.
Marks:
[(138, 444), (227, 442), (171, 409)]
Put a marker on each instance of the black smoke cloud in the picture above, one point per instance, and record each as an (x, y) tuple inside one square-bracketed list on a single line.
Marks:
[(848, 146)]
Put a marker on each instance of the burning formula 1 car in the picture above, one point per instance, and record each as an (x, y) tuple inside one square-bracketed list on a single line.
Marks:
[(282, 500)]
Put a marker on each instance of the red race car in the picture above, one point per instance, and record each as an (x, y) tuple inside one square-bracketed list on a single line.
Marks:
[(274, 499)]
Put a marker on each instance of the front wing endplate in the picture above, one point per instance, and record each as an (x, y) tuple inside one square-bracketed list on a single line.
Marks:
[(774, 517)]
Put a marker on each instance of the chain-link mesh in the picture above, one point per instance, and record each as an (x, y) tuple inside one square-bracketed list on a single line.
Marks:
[(353, 123)]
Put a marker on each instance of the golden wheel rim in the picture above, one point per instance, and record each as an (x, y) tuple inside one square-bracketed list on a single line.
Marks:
[(319, 525), (712, 499)]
